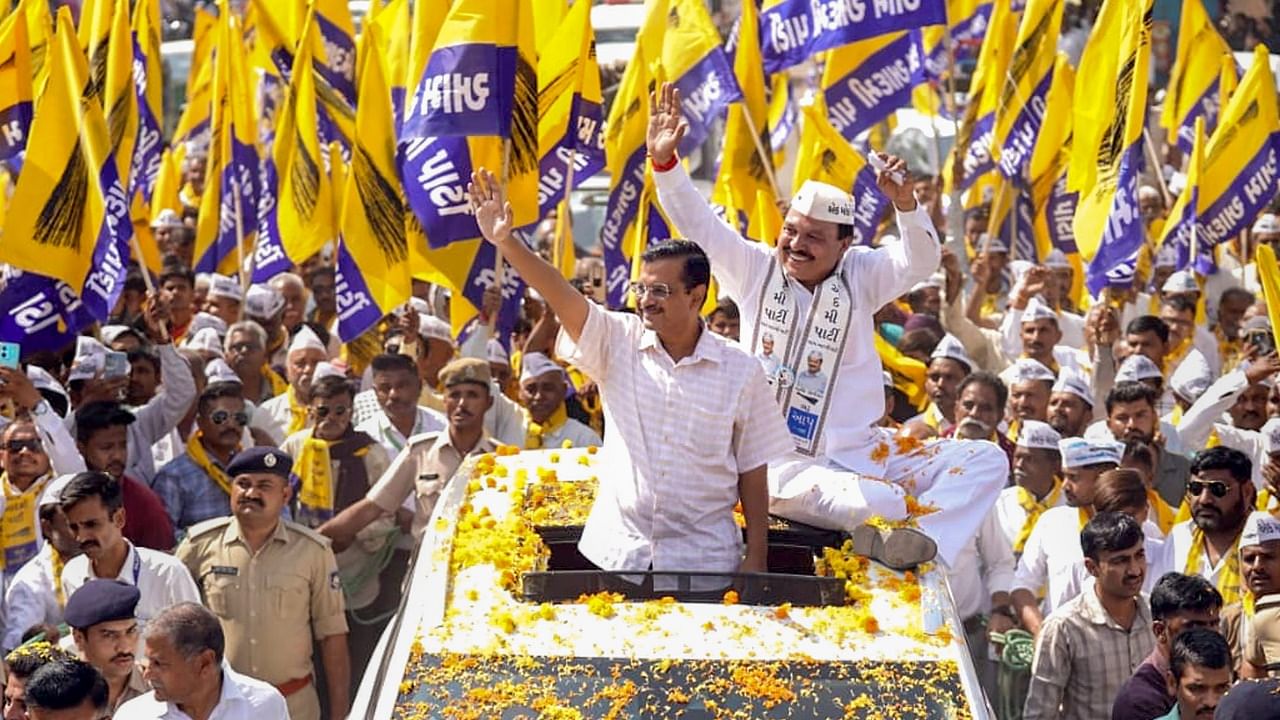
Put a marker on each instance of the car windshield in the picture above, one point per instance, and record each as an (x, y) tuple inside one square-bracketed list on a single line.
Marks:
[(518, 687)]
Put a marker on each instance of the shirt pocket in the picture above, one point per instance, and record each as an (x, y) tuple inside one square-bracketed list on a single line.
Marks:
[(222, 594), (289, 597), (708, 429)]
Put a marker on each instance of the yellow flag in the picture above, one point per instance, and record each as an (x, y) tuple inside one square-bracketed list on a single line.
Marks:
[(745, 176), (69, 217), (1269, 274), (1023, 105), (305, 208), (1194, 85), (827, 157), (119, 98), (16, 93), (551, 13), (1110, 112), (971, 157), (373, 208), (39, 32)]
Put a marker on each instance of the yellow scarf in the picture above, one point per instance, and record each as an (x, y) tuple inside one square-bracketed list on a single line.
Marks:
[(592, 406), (1264, 503), (19, 529), (297, 412), (1176, 355), (1015, 427), (1084, 517), (1229, 580), (1164, 515), (56, 564), (535, 432), (201, 458), (933, 418), (1228, 350), (1035, 508), (313, 476), (277, 383)]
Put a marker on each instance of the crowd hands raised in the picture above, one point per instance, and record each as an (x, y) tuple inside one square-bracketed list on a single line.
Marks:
[(188, 529)]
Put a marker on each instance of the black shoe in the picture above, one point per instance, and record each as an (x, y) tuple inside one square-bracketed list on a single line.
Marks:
[(897, 549)]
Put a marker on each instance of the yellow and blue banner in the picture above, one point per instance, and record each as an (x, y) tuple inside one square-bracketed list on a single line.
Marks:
[(228, 217), (570, 118), (865, 82), (148, 78), (791, 31), (966, 25), (1023, 101), (745, 176), (1110, 114), (971, 158), (1240, 168), (1194, 86), (68, 219), (373, 275), (625, 134), (17, 96)]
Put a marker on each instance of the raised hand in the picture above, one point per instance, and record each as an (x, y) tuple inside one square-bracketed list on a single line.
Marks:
[(901, 193), (489, 203), (155, 315), (667, 125)]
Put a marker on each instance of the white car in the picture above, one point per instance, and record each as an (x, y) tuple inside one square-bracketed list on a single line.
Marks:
[(503, 618)]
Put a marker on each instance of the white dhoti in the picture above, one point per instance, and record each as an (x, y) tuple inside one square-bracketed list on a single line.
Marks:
[(961, 479)]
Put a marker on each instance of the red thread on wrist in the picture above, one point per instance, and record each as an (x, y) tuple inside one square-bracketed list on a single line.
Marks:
[(663, 167)]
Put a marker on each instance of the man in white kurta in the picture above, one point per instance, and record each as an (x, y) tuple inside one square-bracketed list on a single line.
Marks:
[(845, 469)]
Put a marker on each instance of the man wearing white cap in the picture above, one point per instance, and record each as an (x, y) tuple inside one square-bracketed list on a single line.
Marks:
[(991, 557), (1070, 403), (245, 351), (34, 595), (499, 363), (1260, 564), (1057, 292), (925, 297), (1030, 385), (1048, 555), (1032, 329), (816, 294), (224, 298), (1187, 384), (543, 387), (264, 305), (948, 366), (1139, 368), (1186, 335), (286, 414)]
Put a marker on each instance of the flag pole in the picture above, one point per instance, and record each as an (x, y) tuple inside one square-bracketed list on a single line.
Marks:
[(955, 219), (765, 158), (244, 280), (557, 244), (499, 265), (142, 264), (1154, 159)]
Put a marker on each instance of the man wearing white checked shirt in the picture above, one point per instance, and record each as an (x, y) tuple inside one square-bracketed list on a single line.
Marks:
[(691, 422)]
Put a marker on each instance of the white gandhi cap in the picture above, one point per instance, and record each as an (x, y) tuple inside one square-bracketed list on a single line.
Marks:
[(821, 201)]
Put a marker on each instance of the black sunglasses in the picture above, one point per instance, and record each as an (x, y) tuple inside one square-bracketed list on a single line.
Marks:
[(322, 411), (17, 446), (1217, 487), (220, 417)]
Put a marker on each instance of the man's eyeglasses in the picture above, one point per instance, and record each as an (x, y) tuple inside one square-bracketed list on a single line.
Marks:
[(244, 347), (17, 446), (220, 417), (657, 291), (1217, 487), (322, 411)]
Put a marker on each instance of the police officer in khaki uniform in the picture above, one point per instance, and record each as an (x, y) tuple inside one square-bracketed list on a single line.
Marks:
[(429, 460), (274, 585)]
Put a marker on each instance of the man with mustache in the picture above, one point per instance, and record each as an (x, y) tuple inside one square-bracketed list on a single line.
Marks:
[(980, 403), (1260, 562), (1221, 495), (1089, 646), (95, 514), (274, 586), (195, 486), (1032, 329), (1070, 404), (1132, 415), (1030, 385), (428, 462), (105, 630), (286, 413), (544, 385), (1199, 675), (815, 291), (948, 366), (102, 436)]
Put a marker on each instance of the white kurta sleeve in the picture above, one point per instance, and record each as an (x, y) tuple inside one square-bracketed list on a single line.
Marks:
[(1198, 420), (734, 260), (883, 274)]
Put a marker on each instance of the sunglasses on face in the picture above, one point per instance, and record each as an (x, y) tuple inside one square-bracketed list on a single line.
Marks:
[(657, 291), (244, 347), (220, 417), (1216, 487), (322, 411), (16, 446)]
